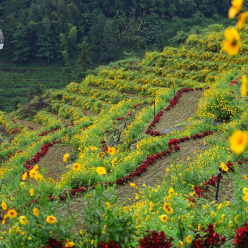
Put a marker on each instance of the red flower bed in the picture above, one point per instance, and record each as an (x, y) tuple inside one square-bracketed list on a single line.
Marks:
[(241, 237), (46, 132), (110, 244), (38, 155), (210, 239), (155, 240)]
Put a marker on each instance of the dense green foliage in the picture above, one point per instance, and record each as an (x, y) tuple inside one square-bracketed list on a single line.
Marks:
[(55, 29)]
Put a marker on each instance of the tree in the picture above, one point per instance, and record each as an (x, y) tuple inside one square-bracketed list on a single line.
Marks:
[(84, 61), (21, 44), (44, 42)]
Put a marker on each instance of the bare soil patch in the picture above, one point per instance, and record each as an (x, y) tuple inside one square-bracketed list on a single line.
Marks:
[(52, 165), (184, 109)]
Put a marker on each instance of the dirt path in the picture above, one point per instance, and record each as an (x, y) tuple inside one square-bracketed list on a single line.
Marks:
[(155, 173), (184, 109), (52, 163)]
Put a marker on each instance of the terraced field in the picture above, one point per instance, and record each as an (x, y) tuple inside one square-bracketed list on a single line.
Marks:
[(157, 130)]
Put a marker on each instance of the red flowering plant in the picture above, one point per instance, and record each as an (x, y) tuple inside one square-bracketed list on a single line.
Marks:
[(207, 238), (241, 237), (155, 239)]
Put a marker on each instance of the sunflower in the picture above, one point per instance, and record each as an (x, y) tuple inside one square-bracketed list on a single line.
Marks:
[(4, 206), (51, 219), (232, 43), (111, 150), (76, 166), (36, 212), (236, 7), (163, 218), (167, 208), (238, 141), (101, 170), (12, 213), (23, 220)]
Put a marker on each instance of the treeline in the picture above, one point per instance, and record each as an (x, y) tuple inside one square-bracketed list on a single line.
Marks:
[(97, 31)]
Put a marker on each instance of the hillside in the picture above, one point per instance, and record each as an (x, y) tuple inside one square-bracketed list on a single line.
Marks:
[(153, 132)]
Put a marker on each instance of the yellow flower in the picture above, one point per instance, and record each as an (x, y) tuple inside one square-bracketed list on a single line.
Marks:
[(151, 205), (232, 43), (171, 191), (167, 208), (243, 88), (188, 239), (36, 212), (94, 148), (144, 185), (12, 213), (163, 218), (33, 173), (4, 206), (111, 150), (76, 166), (223, 216), (245, 198), (246, 177), (107, 205), (66, 157), (69, 244), (242, 19), (236, 218), (38, 177), (224, 167), (180, 244), (132, 184), (31, 192), (220, 206), (4, 219), (236, 7), (101, 170), (245, 190), (113, 161), (51, 219), (36, 167), (238, 141), (24, 176), (23, 220)]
